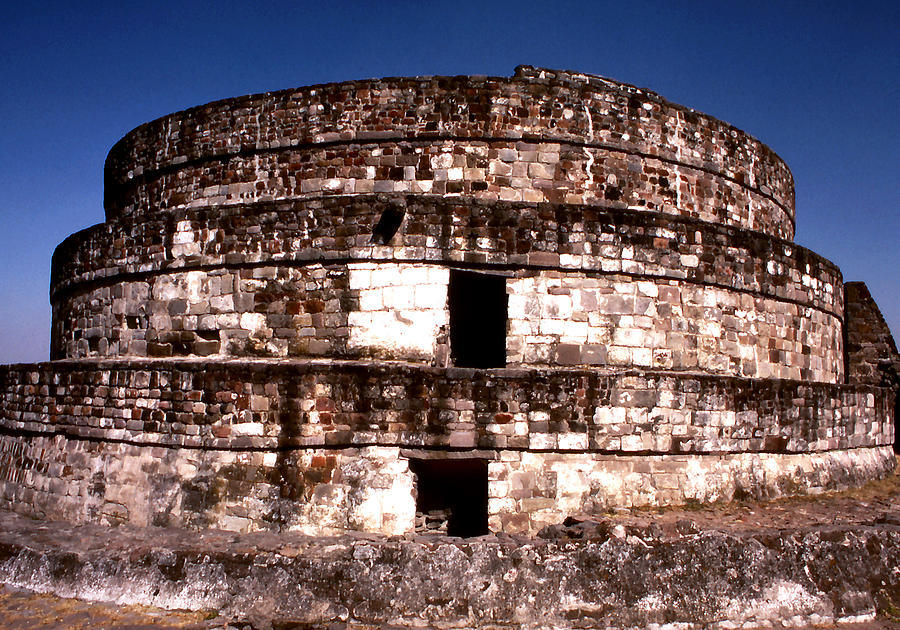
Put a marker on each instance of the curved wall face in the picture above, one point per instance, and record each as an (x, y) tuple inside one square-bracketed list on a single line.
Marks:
[(618, 289), (452, 230), (331, 491), (570, 319), (328, 446), (403, 311), (536, 137), (344, 311), (463, 304), (498, 170)]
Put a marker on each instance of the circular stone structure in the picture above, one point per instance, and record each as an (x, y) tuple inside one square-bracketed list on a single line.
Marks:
[(451, 304)]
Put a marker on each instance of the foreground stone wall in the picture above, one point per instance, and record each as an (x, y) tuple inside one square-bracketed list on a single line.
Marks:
[(593, 575)]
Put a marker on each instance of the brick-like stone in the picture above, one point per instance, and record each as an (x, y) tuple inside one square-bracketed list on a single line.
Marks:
[(656, 336)]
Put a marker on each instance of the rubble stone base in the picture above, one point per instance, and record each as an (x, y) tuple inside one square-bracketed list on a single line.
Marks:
[(624, 579)]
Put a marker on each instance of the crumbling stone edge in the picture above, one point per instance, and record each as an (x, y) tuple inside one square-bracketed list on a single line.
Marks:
[(611, 576)]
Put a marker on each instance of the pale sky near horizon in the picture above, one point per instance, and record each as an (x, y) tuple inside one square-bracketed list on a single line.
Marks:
[(818, 82)]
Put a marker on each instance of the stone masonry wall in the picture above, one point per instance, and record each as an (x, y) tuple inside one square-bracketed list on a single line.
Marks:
[(259, 335), (402, 310), (325, 446), (629, 573), (398, 312), (872, 355), (268, 404), (330, 491), (317, 491), (572, 138), (529, 491), (452, 230), (236, 306), (499, 170), (362, 309), (570, 319)]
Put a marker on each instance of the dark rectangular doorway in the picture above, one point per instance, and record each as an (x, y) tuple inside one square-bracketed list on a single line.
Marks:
[(478, 312), (451, 496)]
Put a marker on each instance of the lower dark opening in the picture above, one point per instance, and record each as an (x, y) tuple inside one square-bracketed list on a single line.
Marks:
[(478, 311), (452, 496), (897, 423)]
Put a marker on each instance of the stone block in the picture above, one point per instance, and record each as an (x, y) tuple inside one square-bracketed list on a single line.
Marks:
[(568, 354)]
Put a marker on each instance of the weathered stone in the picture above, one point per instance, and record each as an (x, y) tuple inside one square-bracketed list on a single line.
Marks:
[(584, 575), (554, 293)]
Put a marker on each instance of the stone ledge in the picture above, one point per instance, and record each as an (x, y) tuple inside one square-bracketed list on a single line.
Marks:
[(249, 405)]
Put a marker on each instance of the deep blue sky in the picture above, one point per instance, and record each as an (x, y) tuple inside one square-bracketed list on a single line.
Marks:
[(819, 82)]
